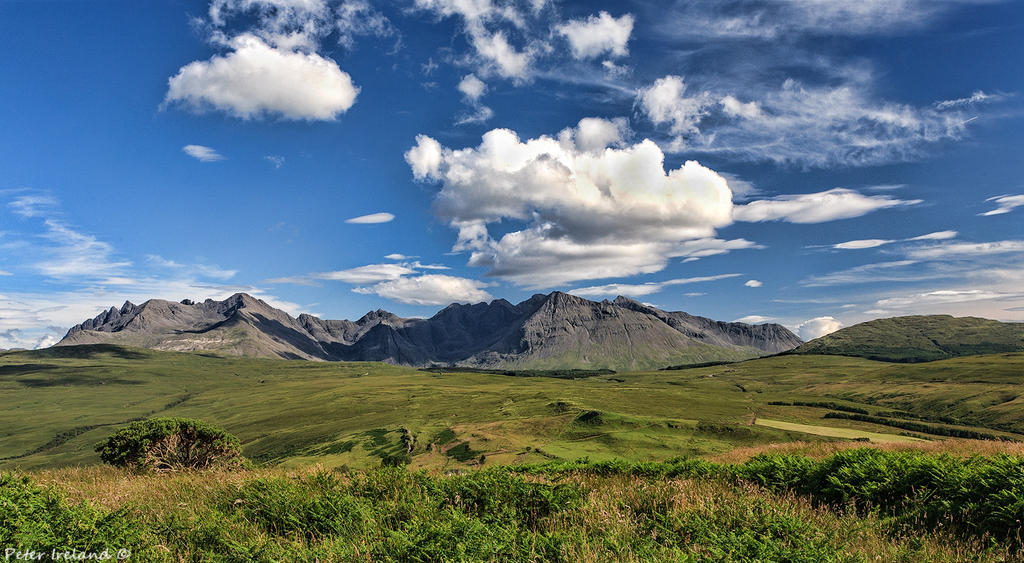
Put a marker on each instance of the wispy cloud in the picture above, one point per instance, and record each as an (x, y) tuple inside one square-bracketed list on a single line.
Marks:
[(875, 243), (831, 205), (201, 153), (372, 218), (1005, 203), (637, 290)]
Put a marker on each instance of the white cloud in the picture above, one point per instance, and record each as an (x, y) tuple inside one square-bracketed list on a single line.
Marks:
[(818, 327), (32, 205), (942, 297), (976, 98), (938, 235), (666, 102), (256, 79), (797, 123), (862, 244), (191, 270), (201, 153), (75, 255), (875, 243), (5, 273), (636, 290), (494, 52), (276, 160), (371, 273), (754, 319), (736, 108), (771, 19), (371, 219), (358, 17), (965, 249), (425, 158), (587, 213), (1005, 203), (598, 35), (430, 289), (837, 203), (396, 256), (472, 87), (898, 270), (753, 283), (502, 56)]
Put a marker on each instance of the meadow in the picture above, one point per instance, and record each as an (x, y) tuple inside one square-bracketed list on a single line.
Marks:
[(59, 403), (787, 458)]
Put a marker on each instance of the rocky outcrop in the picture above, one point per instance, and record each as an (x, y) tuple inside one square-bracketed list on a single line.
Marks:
[(545, 331)]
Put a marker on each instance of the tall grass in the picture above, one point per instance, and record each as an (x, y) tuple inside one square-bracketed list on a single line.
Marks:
[(855, 505)]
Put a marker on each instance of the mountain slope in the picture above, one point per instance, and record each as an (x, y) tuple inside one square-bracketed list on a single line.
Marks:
[(920, 339), (546, 331)]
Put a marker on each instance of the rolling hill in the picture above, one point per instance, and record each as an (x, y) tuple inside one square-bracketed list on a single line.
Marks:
[(543, 332), (919, 339)]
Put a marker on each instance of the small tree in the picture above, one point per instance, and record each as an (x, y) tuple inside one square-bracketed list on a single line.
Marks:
[(170, 444)]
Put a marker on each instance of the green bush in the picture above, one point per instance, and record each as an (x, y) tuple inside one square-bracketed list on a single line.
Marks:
[(170, 444)]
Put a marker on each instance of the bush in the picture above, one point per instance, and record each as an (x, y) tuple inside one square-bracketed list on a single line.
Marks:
[(170, 444)]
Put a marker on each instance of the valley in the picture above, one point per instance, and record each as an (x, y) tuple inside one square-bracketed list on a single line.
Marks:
[(61, 401)]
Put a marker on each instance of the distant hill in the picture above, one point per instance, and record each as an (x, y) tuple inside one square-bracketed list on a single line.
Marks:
[(544, 332), (920, 339)]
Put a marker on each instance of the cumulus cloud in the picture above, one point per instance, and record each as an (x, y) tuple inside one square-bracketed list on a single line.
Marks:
[(587, 211), (257, 79), (797, 123), (753, 283), (598, 35), (837, 203), (817, 327), (371, 219), (637, 290), (1005, 204), (430, 289), (201, 153)]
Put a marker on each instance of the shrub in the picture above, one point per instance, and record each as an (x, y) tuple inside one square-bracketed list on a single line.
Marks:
[(170, 444)]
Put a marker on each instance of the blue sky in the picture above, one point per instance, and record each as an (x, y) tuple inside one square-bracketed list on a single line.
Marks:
[(814, 163)]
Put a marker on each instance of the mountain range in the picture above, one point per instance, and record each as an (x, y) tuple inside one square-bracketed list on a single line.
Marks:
[(552, 331)]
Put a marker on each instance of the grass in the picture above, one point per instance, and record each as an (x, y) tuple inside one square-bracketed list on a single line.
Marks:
[(684, 510), (296, 413)]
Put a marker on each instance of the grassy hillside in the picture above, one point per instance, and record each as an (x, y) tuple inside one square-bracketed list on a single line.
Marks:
[(858, 505), (920, 339), (61, 401)]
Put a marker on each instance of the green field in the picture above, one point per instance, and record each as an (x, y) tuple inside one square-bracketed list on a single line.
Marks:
[(59, 402)]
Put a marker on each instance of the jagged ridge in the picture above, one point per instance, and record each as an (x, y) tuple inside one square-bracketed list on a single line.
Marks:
[(545, 331)]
